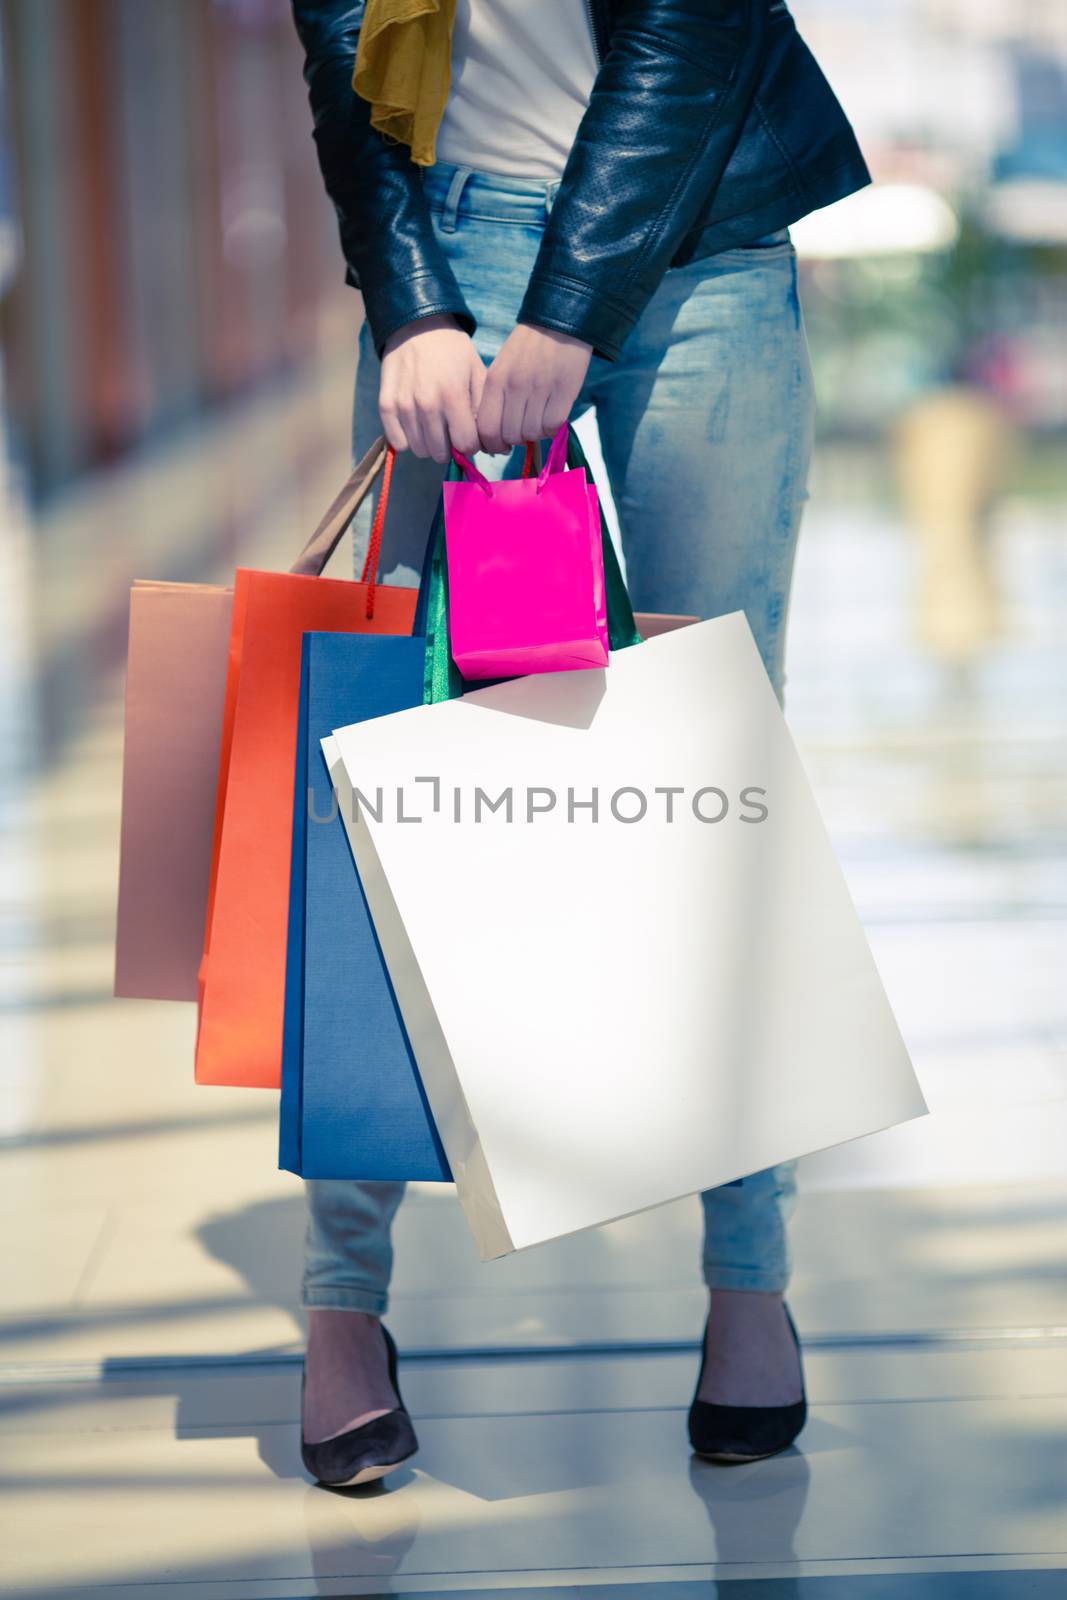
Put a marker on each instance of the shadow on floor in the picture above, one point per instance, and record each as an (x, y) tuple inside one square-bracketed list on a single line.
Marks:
[(264, 1244)]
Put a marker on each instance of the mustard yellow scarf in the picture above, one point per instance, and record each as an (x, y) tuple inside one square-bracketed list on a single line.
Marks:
[(403, 67)]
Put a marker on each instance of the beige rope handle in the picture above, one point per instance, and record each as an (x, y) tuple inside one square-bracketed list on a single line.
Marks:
[(331, 530)]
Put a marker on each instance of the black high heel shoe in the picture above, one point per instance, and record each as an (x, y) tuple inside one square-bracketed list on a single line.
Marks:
[(364, 1454), (744, 1433)]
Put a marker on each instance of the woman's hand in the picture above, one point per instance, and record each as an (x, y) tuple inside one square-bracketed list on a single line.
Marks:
[(531, 387), (432, 379)]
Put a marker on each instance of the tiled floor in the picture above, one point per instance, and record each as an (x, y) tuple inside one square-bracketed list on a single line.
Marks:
[(149, 1368)]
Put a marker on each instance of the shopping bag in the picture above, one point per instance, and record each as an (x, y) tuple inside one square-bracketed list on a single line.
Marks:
[(242, 973), (623, 949), (526, 572), (443, 679), (176, 696), (175, 676), (352, 1103), (650, 624)]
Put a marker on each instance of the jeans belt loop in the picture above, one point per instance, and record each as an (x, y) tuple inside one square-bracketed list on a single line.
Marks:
[(450, 213)]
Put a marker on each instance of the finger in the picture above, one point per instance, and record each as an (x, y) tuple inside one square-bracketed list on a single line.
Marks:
[(433, 432), (462, 428), (533, 418), (393, 429), (479, 372), (411, 423), (557, 411), (511, 422), (488, 418)]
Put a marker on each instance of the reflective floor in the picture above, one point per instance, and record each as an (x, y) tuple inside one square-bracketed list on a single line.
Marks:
[(149, 1351)]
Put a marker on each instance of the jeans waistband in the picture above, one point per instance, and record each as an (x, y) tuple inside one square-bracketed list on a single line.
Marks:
[(454, 191), (491, 196)]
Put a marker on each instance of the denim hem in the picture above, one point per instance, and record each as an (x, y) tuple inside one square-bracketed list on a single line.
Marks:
[(745, 1278), (375, 1304)]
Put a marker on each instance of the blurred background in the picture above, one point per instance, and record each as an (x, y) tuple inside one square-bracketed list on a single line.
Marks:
[(176, 358), (169, 269)]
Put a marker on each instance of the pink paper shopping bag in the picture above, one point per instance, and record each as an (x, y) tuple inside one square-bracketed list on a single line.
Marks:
[(525, 571)]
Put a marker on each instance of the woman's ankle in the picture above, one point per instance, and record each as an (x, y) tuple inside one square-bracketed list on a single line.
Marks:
[(346, 1373), (750, 1357)]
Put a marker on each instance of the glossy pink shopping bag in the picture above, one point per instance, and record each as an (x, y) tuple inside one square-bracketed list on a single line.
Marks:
[(525, 571)]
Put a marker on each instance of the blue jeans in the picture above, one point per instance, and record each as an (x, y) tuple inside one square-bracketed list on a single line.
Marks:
[(706, 427)]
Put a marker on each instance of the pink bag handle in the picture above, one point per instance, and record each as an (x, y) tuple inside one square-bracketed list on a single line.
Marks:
[(472, 473), (555, 459)]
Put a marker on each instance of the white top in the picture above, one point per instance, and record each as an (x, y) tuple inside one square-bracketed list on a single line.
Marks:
[(522, 71)]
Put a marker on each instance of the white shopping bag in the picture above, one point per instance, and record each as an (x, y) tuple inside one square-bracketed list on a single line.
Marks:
[(613, 1007)]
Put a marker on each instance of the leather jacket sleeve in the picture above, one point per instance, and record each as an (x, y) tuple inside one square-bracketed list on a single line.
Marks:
[(388, 240), (664, 115)]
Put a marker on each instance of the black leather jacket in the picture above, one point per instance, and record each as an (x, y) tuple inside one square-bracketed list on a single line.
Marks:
[(709, 125)]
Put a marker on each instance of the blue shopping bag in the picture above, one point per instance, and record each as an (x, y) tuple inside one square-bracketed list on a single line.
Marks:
[(352, 1103)]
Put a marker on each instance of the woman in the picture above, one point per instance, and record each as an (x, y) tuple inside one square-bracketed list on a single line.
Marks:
[(549, 207)]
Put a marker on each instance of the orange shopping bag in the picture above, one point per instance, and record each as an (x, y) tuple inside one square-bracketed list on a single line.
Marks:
[(242, 974)]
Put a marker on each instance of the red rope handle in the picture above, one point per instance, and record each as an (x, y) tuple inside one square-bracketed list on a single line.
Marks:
[(527, 465), (369, 575)]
